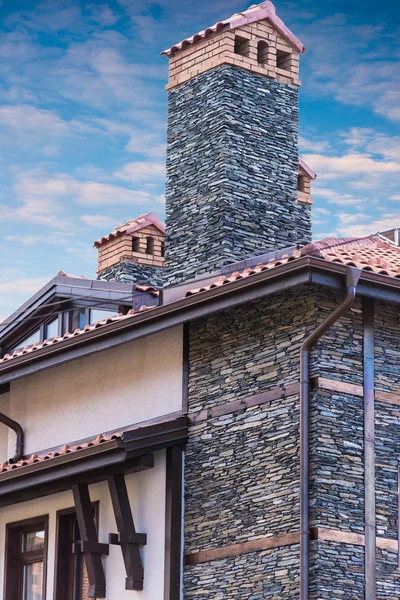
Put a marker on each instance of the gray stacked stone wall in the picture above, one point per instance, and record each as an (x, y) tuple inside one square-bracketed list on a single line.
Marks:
[(387, 445), (336, 461), (339, 353), (337, 571), (267, 575), (242, 469), (130, 272), (232, 164)]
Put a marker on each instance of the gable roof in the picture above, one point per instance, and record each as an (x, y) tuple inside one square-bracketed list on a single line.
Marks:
[(132, 226), (372, 254), (256, 12), (308, 170), (64, 288)]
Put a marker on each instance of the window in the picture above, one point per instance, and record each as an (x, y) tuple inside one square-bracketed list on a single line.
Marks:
[(135, 244), (100, 315), (283, 60), (71, 580), (242, 46), (34, 338), (150, 245), (51, 329), (26, 555), (162, 249), (262, 52)]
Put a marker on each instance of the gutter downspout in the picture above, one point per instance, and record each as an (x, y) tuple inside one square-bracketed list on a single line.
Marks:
[(19, 444), (353, 275)]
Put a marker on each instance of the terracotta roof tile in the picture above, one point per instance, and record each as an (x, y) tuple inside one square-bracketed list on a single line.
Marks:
[(255, 13), (37, 458), (148, 289), (28, 349), (132, 226), (372, 253), (64, 274)]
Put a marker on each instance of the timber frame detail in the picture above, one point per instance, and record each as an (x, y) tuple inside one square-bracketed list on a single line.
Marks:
[(127, 537)]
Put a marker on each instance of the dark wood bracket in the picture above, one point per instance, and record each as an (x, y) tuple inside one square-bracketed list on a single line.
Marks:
[(82, 547), (127, 537), (89, 543)]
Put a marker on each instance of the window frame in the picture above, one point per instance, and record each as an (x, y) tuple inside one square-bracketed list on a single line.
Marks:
[(64, 564), (14, 562)]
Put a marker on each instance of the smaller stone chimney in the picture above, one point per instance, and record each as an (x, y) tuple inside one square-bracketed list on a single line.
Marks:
[(133, 252)]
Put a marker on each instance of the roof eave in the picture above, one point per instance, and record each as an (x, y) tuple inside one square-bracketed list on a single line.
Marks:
[(305, 270)]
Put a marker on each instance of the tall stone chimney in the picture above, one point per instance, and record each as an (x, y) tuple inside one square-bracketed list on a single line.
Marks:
[(232, 152), (133, 252)]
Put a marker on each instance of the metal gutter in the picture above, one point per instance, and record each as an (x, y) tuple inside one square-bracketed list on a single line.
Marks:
[(352, 278), (19, 444), (305, 270)]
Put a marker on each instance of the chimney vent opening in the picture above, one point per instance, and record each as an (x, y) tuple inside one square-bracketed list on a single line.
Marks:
[(149, 245), (242, 46), (283, 60), (262, 52), (135, 244), (301, 183)]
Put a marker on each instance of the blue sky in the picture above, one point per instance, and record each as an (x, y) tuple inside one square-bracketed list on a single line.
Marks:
[(83, 110)]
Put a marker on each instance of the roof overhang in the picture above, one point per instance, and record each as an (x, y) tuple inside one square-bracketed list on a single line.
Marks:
[(129, 454), (302, 271), (62, 288)]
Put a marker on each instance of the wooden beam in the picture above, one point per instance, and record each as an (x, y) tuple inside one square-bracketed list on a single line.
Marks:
[(88, 533), (128, 539), (228, 408), (287, 539), (351, 538), (185, 368), (267, 543), (173, 523), (398, 516), (342, 387)]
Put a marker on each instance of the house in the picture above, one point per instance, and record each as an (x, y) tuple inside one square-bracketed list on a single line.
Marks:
[(219, 417)]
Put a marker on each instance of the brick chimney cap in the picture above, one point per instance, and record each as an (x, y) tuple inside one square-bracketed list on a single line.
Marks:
[(255, 13), (132, 226)]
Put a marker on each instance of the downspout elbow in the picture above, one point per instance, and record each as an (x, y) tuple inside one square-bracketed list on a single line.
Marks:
[(19, 444), (353, 276)]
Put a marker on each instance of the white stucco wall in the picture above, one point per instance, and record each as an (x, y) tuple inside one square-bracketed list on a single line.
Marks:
[(132, 383), (147, 498)]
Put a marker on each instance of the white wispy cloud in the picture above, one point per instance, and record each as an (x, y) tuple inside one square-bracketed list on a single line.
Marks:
[(308, 144), (358, 225), (330, 167), (339, 198), (351, 63), (141, 171), (102, 221)]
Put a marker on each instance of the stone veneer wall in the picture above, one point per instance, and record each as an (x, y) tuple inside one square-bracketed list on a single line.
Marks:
[(130, 272), (232, 164), (242, 469), (387, 444)]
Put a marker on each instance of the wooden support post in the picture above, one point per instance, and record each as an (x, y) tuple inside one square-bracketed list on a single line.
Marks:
[(398, 516), (173, 524), (89, 544), (127, 537)]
